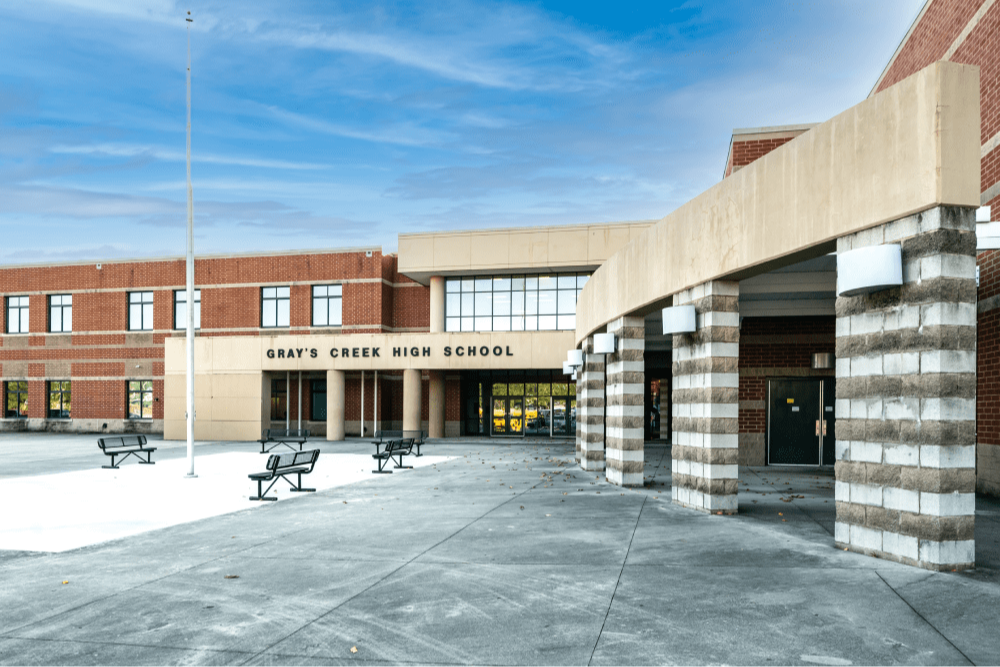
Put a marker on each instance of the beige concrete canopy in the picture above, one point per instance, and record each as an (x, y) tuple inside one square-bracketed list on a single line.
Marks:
[(909, 148)]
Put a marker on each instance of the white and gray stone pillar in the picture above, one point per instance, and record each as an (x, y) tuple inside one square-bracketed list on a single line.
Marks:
[(625, 400), (906, 398), (590, 406), (705, 397)]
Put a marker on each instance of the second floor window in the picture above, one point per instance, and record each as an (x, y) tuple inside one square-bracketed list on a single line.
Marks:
[(140, 311), (16, 400), (61, 313), (17, 314), (180, 309), (274, 307), (327, 305), (59, 400)]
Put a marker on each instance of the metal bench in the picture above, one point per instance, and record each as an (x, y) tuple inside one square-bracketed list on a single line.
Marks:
[(416, 436), (286, 437), (280, 466), (394, 451), (125, 446)]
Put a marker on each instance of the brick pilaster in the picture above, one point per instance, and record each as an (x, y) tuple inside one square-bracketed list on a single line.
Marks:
[(906, 398), (625, 378), (705, 396)]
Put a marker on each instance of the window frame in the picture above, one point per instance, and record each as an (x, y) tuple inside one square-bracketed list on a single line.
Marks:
[(18, 392), (313, 403), (62, 392), (142, 310), (277, 299), (519, 302), (24, 323), (63, 308), (328, 298), (182, 326), (142, 390)]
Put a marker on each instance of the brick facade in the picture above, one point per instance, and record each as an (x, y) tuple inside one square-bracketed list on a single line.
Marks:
[(100, 355)]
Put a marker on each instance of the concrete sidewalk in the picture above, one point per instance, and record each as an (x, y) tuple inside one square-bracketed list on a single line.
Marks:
[(507, 554)]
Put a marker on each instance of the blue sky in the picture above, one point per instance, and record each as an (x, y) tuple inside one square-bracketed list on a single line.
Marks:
[(330, 124)]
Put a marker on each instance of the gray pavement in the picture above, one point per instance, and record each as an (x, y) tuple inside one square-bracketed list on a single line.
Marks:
[(507, 554)]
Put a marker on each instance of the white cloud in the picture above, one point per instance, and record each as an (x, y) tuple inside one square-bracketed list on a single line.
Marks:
[(159, 153)]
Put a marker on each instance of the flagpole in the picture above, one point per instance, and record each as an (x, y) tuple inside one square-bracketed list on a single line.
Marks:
[(190, 273)]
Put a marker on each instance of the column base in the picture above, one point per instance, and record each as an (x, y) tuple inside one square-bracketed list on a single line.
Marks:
[(926, 554), (592, 465), (619, 478), (704, 502)]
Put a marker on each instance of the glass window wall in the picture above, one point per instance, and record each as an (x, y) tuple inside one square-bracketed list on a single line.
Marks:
[(513, 303)]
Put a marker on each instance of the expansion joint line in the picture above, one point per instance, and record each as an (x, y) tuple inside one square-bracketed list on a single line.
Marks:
[(620, 572), (921, 616), (387, 576)]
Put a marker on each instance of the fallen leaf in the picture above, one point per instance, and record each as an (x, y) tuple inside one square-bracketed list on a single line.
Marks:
[(345, 502), (231, 576), (780, 514), (65, 582), (522, 506), (548, 515), (354, 649)]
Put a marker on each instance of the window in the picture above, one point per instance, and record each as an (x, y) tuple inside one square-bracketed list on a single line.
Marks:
[(16, 400), (274, 307), (513, 303), (327, 305), (61, 313), (59, 400), (318, 401), (180, 309), (140, 311), (140, 399), (279, 399), (17, 314)]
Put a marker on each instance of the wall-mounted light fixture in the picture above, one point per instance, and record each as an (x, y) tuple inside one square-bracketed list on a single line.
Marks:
[(604, 343), (575, 358), (678, 320), (822, 360), (567, 369), (870, 269)]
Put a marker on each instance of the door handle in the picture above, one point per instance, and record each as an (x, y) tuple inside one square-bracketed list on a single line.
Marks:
[(824, 428), (817, 427)]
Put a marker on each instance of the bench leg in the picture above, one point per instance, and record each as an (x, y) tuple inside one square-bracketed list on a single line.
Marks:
[(418, 450), (400, 464), (381, 465), (149, 459), (112, 466), (263, 496), (299, 489)]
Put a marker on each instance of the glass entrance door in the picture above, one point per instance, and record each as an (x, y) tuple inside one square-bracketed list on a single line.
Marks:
[(508, 416), (563, 416)]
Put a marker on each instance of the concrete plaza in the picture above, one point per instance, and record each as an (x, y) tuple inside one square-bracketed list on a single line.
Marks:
[(505, 553)]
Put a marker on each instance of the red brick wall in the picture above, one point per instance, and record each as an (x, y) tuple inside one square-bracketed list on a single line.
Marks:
[(940, 25), (932, 37), (748, 151), (988, 351), (230, 306)]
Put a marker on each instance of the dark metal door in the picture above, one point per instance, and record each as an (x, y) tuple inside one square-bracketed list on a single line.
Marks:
[(829, 437), (794, 422)]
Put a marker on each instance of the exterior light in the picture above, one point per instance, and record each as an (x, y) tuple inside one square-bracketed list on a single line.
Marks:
[(822, 360), (870, 269), (604, 343), (567, 369), (678, 320), (575, 358)]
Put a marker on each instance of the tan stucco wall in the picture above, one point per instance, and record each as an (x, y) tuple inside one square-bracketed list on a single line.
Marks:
[(912, 147), (576, 247), (229, 392)]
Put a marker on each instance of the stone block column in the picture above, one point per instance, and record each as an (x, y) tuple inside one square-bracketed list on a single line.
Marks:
[(906, 398), (626, 393), (590, 409), (336, 403), (705, 396)]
